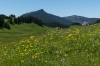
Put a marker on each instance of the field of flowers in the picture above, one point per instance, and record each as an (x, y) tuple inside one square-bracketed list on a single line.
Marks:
[(75, 46)]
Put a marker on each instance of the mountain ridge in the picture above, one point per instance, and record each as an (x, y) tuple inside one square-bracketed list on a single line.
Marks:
[(81, 19), (47, 17), (51, 18)]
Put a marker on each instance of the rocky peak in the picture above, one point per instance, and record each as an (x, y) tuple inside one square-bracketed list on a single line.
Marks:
[(41, 10)]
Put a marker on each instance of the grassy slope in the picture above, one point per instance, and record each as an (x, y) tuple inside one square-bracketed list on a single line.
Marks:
[(75, 46), (19, 32)]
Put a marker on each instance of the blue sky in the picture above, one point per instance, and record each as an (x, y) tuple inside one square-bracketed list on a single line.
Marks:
[(87, 8)]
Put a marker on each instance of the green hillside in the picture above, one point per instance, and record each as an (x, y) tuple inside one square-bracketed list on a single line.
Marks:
[(32, 45), (19, 32)]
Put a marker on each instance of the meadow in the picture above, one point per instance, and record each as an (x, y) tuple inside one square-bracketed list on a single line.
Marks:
[(31, 45)]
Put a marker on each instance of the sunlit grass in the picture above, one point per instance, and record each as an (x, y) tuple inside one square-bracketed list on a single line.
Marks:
[(75, 46), (19, 32)]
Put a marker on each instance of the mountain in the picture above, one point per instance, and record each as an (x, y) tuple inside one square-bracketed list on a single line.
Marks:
[(48, 18), (81, 19)]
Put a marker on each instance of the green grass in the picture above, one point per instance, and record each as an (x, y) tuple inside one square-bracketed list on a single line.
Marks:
[(6, 20), (19, 32), (31, 45)]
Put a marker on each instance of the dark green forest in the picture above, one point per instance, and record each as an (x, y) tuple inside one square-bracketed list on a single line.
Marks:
[(6, 21)]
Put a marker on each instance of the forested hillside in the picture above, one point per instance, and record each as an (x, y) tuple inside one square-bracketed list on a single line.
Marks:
[(5, 21)]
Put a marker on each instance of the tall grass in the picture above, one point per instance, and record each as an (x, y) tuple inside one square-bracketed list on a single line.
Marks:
[(75, 46)]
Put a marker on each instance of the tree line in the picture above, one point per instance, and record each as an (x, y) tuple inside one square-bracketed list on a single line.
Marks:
[(6, 21)]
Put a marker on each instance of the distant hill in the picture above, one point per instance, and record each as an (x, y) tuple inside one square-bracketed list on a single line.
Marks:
[(48, 18), (98, 21), (81, 19)]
